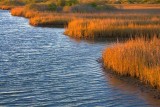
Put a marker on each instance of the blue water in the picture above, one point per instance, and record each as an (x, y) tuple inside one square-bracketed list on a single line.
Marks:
[(43, 67)]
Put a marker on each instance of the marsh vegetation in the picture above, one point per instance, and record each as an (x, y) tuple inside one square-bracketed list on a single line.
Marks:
[(139, 57)]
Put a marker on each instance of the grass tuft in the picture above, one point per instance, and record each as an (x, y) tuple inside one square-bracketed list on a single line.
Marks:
[(119, 26), (138, 58)]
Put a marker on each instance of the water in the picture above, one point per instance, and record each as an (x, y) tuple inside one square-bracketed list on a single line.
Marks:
[(43, 67)]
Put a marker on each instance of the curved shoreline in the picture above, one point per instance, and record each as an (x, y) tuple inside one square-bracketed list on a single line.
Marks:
[(134, 81), (146, 88)]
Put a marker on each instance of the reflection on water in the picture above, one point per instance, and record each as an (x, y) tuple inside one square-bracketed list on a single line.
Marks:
[(130, 89), (102, 40), (43, 67)]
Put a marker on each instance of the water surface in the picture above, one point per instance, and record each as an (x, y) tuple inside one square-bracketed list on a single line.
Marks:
[(43, 67)]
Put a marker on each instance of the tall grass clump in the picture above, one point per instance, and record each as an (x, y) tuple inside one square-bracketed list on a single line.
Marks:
[(138, 58), (18, 11), (50, 21), (46, 19), (114, 27), (22, 11), (4, 7)]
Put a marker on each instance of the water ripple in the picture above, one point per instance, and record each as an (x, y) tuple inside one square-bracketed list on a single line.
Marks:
[(42, 67)]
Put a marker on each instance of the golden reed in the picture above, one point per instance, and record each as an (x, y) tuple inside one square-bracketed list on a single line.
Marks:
[(138, 58), (114, 27)]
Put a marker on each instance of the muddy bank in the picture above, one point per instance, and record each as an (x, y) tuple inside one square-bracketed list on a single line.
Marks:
[(145, 88)]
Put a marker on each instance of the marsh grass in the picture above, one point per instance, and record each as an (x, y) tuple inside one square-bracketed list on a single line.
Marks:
[(126, 26), (50, 18), (137, 6), (50, 21), (21, 11), (3, 7), (113, 23), (37, 18), (138, 58)]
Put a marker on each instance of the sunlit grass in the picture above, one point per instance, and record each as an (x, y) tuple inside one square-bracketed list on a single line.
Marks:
[(18, 11), (137, 58), (50, 21), (21, 11), (3, 7), (114, 26), (38, 18), (137, 6)]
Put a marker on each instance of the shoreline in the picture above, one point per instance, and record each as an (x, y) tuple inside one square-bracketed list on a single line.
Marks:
[(145, 88), (134, 81)]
